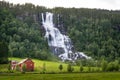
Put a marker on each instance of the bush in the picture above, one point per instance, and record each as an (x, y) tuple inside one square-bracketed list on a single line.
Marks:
[(60, 67), (89, 69), (81, 68), (113, 66), (3, 52), (116, 65), (44, 68), (93, 70), (24, 68), (98, 70), (9, 67), (104, 65), (70, 68), (110, 66)]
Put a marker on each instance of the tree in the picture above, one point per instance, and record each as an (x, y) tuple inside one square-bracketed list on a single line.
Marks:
[(113, 66), (44, 68), (3, 52), (116, 65), (9, 67), (81, 68), (24, 68), (89, 69), (93, 31), (70, 68), (60, 67), (104, 65)]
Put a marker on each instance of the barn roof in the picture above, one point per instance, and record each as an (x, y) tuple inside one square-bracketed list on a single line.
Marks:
[(23, 60)]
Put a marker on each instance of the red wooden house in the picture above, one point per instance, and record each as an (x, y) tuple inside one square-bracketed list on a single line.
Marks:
[(29, 64)]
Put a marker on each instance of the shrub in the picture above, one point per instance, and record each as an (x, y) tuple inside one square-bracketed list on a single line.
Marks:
[(24, 68), (116, 65), (98, 69), (93, 70), (70, 68), (110, 66), (60, 67), (104, 65), (9, 67), (113, 66), (44, 68), (81, 68), (89, 69)]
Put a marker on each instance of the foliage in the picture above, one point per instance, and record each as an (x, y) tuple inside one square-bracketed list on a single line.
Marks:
[(24, 68), (86, 62), (44, 68), (81, 68), (3, 52), (104, 65), (70, 68), (9, 67), (95, 32), (89, 69), (60, 67), (113, 66)]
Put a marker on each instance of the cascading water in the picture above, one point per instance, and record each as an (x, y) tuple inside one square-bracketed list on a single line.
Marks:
[(59, 43)]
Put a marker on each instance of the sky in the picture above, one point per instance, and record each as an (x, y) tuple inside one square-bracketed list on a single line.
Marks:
[(100, 4)]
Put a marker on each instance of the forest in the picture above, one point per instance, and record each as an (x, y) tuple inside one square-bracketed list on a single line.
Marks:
[(96, 32)]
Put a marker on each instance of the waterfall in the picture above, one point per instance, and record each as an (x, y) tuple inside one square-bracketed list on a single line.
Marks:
[(59, 43)]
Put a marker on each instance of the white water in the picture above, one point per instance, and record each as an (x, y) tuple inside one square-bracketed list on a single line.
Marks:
[(57, 39)]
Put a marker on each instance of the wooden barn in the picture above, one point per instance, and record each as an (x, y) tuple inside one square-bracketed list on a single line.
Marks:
[(29, 64)]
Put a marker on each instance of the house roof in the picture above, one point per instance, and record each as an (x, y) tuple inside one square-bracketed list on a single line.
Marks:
[(23, 60)]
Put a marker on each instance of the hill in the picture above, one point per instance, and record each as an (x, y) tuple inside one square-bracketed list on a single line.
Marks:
[(95, 32)]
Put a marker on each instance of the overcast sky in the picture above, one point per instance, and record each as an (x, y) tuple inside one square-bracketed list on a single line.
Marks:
[(102, 4)]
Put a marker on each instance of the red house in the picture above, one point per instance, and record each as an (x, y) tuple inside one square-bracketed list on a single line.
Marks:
[(29, 64)]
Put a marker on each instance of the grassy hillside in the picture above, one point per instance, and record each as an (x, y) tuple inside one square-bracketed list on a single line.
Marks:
[(51, 67)]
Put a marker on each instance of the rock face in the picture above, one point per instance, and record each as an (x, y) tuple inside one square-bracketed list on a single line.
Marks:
[(59, 43)]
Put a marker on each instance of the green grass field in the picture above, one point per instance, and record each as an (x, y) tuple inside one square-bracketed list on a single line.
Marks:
[(67, 76), (50, 66)]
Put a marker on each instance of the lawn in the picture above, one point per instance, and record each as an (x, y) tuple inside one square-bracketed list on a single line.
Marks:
[(50, 66), (67, 76)]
